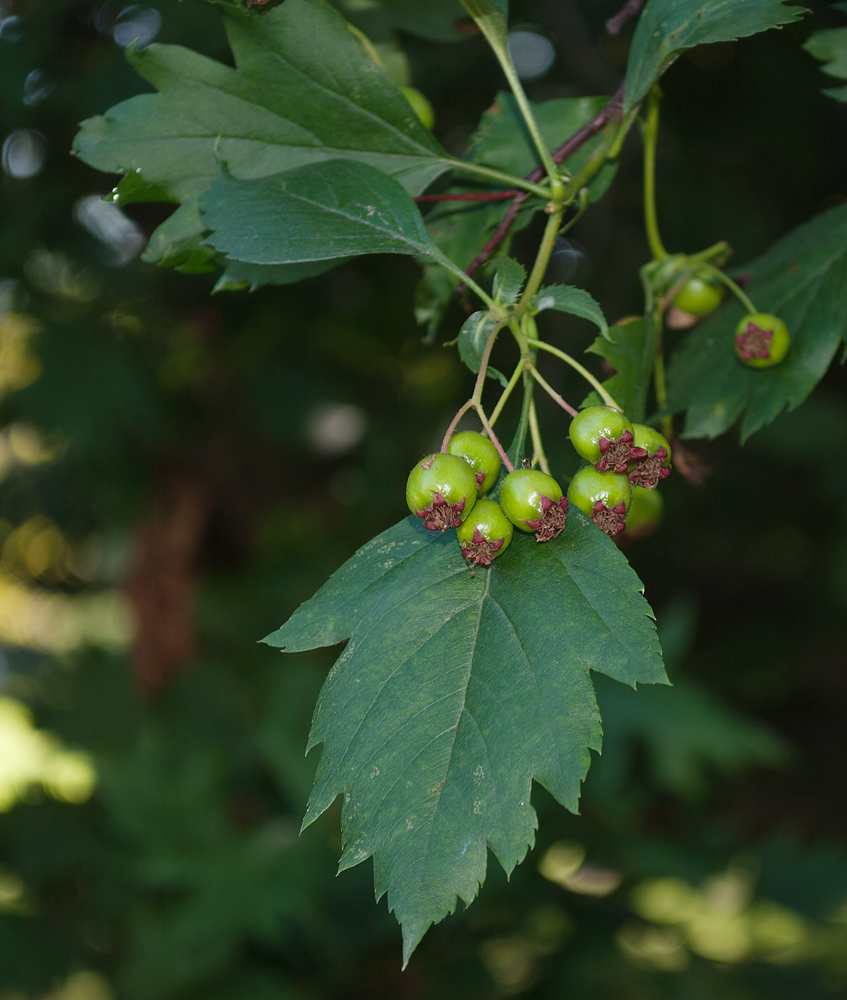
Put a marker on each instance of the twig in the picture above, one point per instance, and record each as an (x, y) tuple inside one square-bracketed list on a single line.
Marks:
[(626, 13)]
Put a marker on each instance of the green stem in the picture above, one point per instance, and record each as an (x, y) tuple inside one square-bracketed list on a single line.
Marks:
[(489, 173), (659, 382), (732, 286), (537, 445), (542, 259), (448, 265), (545, 385), (476, 398), (494, 439), (501, 402), (650, 131), (595, 384)]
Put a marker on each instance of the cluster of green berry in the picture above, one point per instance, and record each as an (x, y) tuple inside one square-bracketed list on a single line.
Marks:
[(447, 490), (628, 462)]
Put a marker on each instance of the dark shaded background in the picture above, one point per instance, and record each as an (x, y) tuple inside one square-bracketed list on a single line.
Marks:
[(178, 449)]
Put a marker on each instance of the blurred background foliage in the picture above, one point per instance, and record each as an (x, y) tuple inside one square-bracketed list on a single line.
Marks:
[(178, 471)]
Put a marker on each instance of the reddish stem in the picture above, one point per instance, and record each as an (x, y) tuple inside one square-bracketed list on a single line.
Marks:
[(626, 13), (463, 409)]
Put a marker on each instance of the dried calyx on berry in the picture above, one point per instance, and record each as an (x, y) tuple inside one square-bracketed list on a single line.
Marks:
[(534, 501), (604, 496), (603, 435), (441, 490), (761, 340), (651, 457), (481, 454), (485, 534)]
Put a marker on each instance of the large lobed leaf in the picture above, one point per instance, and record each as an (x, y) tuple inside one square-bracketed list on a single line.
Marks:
[(667, 27), (303, 91), (456, 691), (802, 278)]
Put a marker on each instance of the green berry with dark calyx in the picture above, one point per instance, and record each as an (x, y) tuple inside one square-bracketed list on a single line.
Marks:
[(534, 501), (603, 435), (480, 453), (604, 496), (698, 296), (761, 340), (644, 514), (485, 533), (651, 457), (441, 490)]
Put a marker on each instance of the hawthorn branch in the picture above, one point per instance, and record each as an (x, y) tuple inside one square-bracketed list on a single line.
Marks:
[(626, 13), (609, 112)]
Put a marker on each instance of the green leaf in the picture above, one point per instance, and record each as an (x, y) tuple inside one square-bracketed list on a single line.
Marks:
[(472, 340), (286, 219), (802, 279), (568, 299), (509, 278), (455, 692), (831, 48), (630, 350), (667, 27), (303, 91)]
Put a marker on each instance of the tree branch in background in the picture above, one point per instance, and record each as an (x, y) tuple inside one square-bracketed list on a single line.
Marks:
[(626, 13)]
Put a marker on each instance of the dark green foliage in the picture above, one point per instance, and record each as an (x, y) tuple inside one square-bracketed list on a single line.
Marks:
[(801, 279)]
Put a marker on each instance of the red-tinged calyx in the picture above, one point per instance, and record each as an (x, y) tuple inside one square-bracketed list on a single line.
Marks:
[(614, 455), (647, 472), (480, 551), (611, 521), (552, 521), (754, 342), (441, 515)]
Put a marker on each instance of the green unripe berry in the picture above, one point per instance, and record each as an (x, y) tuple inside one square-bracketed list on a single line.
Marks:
[(644, 513), (485, 533), (698, 296), (602, 435), (651, 457), (441, 490), (604, 496), (420, 105), (481, 455), (761, 340), (534, 501)]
